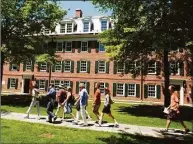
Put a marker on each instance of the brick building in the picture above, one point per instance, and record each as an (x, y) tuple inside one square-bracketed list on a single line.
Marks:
[(83, 59)]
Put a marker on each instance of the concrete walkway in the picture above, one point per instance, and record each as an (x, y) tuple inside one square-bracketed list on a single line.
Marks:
[(107, 127)]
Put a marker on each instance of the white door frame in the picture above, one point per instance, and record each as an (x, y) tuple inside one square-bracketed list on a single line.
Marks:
[(181, 95)]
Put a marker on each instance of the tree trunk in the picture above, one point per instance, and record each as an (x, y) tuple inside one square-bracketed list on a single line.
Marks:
[(2, 62), (166, 79), (50, 74)]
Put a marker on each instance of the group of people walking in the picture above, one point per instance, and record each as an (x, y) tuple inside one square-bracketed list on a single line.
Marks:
[(65, 100)]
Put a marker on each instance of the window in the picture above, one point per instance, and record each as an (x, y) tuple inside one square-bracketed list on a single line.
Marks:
[(131, 89), (120, 89), (152, 91), (56, 84), (43, 67), (42, 84), (12, 83), (120, 68), (174, 68), (69, 27), (62, 28), (46, 31), (58, 66), (67, 66), (83, 66), (59, 47), (28, 65), (101, 48), (65, 83), (103, 25), (132, 66), (102, 88), (14, 67), (152, 67), (68, 46), (84, 46), (101, 66), (86, 27)]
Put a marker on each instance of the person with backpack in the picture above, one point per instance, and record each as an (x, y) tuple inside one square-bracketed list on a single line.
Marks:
[(68, 102), (60, 98), (107, 108)]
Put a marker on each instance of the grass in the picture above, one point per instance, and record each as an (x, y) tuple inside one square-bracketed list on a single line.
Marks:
[(22, 132), (143, 115)]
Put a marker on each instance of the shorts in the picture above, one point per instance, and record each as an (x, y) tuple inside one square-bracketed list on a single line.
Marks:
[(173, 115), (96, 108), (107, 109)]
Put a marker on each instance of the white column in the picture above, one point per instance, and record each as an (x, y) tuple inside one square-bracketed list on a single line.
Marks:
[(22, 86), (181, 95)]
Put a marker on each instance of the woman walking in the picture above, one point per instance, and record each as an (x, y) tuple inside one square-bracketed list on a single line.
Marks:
[(107, 108)]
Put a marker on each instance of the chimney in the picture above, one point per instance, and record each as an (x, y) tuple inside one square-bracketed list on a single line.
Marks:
[(78, 13)]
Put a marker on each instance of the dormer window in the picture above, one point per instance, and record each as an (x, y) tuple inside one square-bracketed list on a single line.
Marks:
[(66, 27), (86, 26), (103, 25), (69, 27)]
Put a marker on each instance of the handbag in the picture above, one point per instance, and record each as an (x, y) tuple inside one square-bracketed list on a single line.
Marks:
[(166, 110)]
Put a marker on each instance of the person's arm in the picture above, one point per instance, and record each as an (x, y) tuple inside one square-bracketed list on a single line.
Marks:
[(95, 96), (68, 95), (108, 100), (77, 100)]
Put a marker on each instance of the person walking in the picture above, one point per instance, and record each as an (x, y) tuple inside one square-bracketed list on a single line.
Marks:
[(107, 108), (60, 98), (50, 106), (97, 101), (82, 100), (67, 102), (174, 111), (34, 102)]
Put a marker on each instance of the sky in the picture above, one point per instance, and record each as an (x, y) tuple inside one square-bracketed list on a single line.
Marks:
[(87, 8)]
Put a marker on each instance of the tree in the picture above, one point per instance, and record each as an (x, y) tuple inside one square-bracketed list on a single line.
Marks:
[(23, 24), (143, 25)]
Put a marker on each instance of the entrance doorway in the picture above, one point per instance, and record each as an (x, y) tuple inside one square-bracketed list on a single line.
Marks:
[(26, 85)]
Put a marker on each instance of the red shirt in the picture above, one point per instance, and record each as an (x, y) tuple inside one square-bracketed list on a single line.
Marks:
[(97, 96)]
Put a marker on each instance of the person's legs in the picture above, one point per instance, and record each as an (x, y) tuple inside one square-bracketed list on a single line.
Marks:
[(111, 116), (30, 108), (183, 124), (58, 109), (101, 118), (96, 112), (83, 114), (77, 116), (168, 124), (38, 108)]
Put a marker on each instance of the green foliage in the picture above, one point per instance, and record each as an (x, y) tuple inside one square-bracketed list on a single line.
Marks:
[(23, 24)]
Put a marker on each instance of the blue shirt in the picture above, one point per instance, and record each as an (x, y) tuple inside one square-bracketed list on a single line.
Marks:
[(51, 93), (83, 97)]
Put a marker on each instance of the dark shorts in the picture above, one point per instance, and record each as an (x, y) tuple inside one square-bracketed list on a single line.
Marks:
[(96, 108), (173, 115), (107, 109)]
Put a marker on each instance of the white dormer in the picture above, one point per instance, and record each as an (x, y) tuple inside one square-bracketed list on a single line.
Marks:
[(104, 23), (86, 23), (67, 26)]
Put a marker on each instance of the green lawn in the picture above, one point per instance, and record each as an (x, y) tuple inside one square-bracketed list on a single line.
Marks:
[(23, 132), (144, 115)]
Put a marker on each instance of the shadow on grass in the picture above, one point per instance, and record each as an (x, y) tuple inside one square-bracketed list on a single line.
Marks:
[(123, 138), (154, 111)]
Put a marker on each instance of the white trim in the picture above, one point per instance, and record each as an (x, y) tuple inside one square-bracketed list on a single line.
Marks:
[(105, 66), (155, 91), (181, 95), (86, 66), (152, 67), (135, 86), (123, 69), (123, 89), (44, 84), (89, 25), (60, 66), (70, 65)]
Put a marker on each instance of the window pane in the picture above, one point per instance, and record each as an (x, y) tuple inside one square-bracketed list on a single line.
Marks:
[(83, 66), (14, 67), (102, 88), (65, 83), (84, 46), (56, 84), (59, 46), (152, 67), (103, 25), (67, 66), (68, 46), (120, 68), (28, 65), (46, 31), (62, 28), (58, 66), (101, 48), (42, 84), (12, 83), (69, 27), (151, 91), (131, 89), (174, 68), (120, 89), (86, 26), (43, 67), (101, 66)]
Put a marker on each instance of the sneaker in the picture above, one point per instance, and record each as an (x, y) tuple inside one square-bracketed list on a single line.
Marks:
[(75, 123), (84, 125), (116, 125), (26, 117), (97, 122), (38, 118), (55, 118), (50, 121), (164, 130), (186, 131), (89, 119)]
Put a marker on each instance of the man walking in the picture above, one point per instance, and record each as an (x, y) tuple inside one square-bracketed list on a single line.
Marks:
[(50, 106), (97, 101), (82, 100), (34, 102)]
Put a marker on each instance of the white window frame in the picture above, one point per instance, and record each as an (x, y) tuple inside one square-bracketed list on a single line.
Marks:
[(123, 89), (12, 67), (82, 46), (42, 88), (66, 46), (67, 27), (41, 67), (81, 66), (65, 83), (102, 20), (155, 91), (99, 67), (12, 85), (28, 65), (63, 30), (99, 48), (177, 64), (66, 66), (58, 65), (88, 26), (57, 46), (135, 89), (46, 31), (122, 69), (134, 64), (155, 67)]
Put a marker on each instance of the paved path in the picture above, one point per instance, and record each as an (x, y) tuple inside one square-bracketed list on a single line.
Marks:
[(108, 127)]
